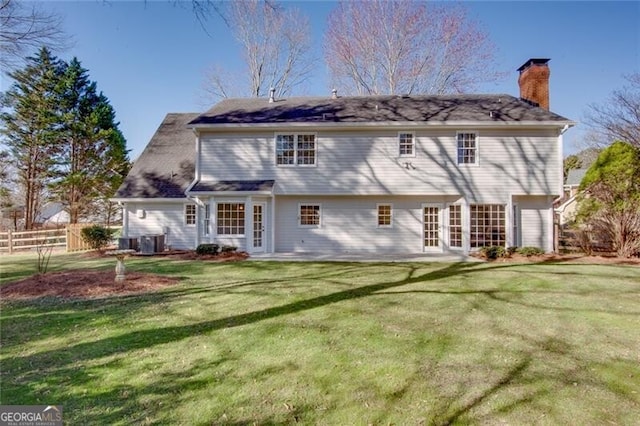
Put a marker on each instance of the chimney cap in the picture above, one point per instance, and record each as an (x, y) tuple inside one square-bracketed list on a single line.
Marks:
[(533, 61)]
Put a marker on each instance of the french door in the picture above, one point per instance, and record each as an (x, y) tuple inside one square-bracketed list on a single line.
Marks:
[(258, 227), (432, 227)]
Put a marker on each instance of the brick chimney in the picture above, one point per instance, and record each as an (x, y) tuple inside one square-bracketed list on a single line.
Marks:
[(534, 81)]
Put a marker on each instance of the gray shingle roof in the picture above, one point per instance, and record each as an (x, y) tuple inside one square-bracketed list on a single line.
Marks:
[(166, 166), (423, 108), (233, 185)]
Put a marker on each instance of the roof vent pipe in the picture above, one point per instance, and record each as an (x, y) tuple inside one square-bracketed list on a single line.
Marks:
[(334, 94), (272, 93)]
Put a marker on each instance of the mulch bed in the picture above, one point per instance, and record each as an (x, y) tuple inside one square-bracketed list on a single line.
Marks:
[(569, 258), (89, 283), (83, 284)]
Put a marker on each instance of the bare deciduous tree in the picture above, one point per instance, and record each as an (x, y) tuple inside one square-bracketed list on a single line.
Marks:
[(25, 27), (393, 47), (619, 117), (276, 49)]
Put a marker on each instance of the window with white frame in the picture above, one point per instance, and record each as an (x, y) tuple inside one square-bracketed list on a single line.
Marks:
[(207, 219), (230, 219), (487, 225), (309, 215), (455, 225), (385, 215), (306, 150), (189, 214), (296, 149), (467, 147), (406, 145)]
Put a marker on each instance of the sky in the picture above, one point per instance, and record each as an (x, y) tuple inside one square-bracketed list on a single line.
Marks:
[(150, 58)]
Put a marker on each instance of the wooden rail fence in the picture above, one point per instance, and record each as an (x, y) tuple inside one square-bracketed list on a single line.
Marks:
[(69, 237)]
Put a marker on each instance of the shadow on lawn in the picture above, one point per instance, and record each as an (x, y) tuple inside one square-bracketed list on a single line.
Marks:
[(61, 362)]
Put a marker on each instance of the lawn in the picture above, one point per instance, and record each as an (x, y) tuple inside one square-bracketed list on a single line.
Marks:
[(333, 343)]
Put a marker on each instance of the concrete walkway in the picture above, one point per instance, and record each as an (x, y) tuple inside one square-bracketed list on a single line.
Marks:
[(364, 257)]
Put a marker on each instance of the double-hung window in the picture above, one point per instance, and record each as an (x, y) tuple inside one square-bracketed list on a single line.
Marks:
[(455, 225), (230, 218), (190, 214), (406, 144), (296, 149), (467, 147), (309, 215), (385, 216)]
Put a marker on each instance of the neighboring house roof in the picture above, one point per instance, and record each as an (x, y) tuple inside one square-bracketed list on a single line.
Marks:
[(372, 109), (575, 176), (166, 166), (52, 213)]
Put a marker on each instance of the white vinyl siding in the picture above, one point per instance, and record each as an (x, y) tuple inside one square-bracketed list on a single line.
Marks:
[(349, 224), (511, 161), (535, 220), (162, 218)]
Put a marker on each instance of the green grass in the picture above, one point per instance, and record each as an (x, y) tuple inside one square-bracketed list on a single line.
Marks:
[(333, 343)]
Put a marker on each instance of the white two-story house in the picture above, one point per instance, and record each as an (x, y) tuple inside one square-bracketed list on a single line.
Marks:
[(382, 174)]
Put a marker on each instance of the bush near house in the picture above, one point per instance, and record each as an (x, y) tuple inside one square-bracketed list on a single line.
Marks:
[(97, 236)]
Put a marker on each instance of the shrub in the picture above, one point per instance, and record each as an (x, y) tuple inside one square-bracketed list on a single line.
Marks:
[(530, 251), (207, 249), (228, 249), (97, 236), (511, 250), (493, 252)]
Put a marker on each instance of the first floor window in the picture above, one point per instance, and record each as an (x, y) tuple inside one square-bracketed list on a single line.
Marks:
[(190, 214), (230, 218), (384, 215), (467, 148), (487, 225), (455, 225), (309, 215), (207, 219)]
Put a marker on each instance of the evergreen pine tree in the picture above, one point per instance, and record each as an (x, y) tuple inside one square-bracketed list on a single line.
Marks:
[(30, 127), (93, 159)]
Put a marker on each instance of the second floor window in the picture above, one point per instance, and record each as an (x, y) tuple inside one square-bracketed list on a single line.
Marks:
[(467, 148), (406, 145), (296, 149)]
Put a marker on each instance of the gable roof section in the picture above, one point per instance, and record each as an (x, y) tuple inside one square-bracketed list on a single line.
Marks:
[(166, 166), (376, 109)]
